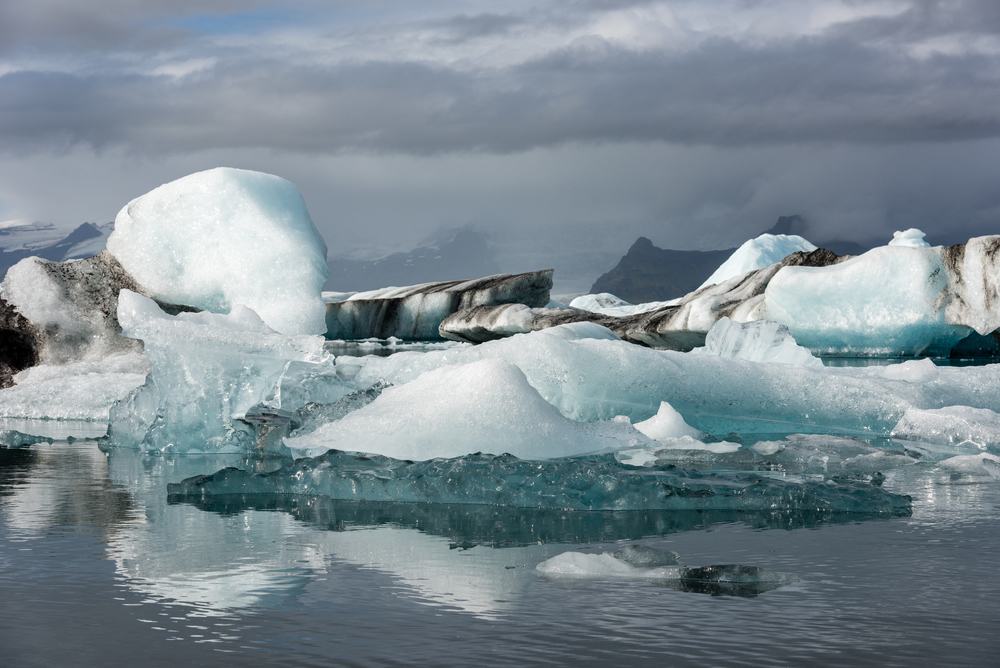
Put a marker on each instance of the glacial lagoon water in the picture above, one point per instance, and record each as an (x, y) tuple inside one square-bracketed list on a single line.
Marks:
[(99, 567)]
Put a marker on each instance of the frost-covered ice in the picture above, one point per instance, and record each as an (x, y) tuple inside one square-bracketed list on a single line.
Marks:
[(599, 483), (757, 341), (911, 238), (78, 391), (981, 464), (208, 369), (953, 425), (482, 406), (224, 237), (668, 425), (765, 250)]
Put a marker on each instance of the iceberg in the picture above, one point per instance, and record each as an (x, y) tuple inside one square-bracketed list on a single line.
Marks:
[(207, 371), (677, 325), (414, 313), (482, 406), (731, 579), (952, 425), (224, 237), (893, 300), (62, 312), (585, 371), (896, 300), (757, 341), (758, 253), (569, 484)]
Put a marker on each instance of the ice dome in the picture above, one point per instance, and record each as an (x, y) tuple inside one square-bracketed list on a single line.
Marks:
[(224, 237), (758, 253)]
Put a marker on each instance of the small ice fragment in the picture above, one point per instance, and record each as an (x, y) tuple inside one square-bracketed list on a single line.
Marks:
[(911, 238), (643, 556)]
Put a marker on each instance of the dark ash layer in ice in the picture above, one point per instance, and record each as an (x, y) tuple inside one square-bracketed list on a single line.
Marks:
[(414, 313), (679, 327), (577, 484), (61, 312)]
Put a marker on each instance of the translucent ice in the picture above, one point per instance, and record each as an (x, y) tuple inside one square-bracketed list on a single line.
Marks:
[(981, 464), (893, 300), (207, 370), (757, 341), (765, 250), (953, 425), (78, 391), (224, 237), (483, 406), (589, 375), (575, 484)]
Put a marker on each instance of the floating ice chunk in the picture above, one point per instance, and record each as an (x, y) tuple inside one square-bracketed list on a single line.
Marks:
[(643, 556), (757, 341), (597, 303), (890, 301), (485, 406), (589, 376), (224, 237), (414, 313), (912, 371), (746, 580), (765, 250), (593, 483), (911, 238), (207, 371), (981, 464), (78, 391), (668, 424), (954, 425)]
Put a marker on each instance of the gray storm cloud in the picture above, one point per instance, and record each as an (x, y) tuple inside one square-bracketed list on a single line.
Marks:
[(693, 123), (916, 76)]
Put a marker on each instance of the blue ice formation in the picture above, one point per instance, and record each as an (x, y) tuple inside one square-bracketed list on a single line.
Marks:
[(571, 484), (208, 370)]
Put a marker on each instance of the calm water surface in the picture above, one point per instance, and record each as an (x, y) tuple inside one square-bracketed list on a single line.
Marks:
[(97, 568)]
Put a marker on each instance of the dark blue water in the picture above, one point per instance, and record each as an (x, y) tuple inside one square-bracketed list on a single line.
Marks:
[(97, 568)]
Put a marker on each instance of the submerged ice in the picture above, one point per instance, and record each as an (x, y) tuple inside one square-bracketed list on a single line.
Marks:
[(571, 484)]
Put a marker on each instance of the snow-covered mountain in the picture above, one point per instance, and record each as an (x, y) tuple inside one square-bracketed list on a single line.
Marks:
[(20, 239)]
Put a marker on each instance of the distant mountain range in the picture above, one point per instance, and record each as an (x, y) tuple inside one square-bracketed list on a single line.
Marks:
[(650, 274), (19, 240), (465, 254)]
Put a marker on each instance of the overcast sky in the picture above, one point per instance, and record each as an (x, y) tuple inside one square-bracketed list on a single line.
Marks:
[(694, 123)]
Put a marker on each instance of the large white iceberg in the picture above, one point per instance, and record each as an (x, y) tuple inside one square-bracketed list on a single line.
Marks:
[(482, 406), (224, 237), (765, 250)]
